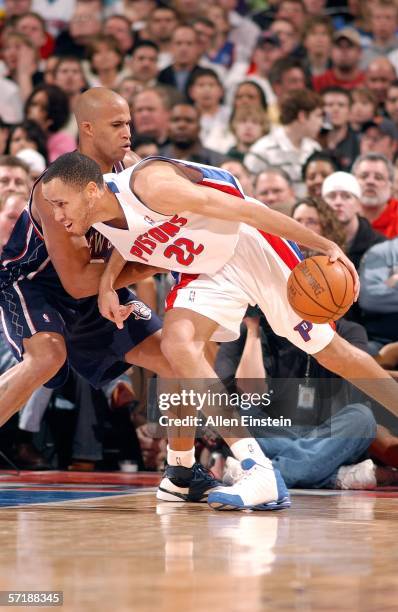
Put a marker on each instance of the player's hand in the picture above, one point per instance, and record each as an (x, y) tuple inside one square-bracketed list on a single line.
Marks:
[(110, 308), (334, 253)]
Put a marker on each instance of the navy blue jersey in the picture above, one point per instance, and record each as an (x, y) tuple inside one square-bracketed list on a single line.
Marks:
[(33, 300)]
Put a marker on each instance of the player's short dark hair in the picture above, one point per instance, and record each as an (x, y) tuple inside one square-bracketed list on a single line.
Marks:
[(75, 169)]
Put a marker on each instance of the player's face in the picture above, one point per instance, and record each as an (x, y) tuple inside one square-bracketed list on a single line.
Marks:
[(71, 206), (111, 132)]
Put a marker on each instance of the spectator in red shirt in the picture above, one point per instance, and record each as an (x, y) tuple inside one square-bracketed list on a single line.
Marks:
[(375, 175), (33, 26), (346, 56)]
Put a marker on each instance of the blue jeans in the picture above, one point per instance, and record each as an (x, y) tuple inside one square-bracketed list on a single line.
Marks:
[(312, 460)]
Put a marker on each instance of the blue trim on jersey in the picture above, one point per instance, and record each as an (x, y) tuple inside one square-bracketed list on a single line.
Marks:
[(112, 186), (296, 249)]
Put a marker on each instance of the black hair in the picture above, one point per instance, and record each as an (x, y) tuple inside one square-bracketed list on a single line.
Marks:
[(260, 91), (34, 133), (203, 72), (75, 169), (321, 156), (57, 105), (145, 43)]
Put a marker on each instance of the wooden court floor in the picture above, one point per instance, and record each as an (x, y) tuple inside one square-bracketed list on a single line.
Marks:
[(120, 550)]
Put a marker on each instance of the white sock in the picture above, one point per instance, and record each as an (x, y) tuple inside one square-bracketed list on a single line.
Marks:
[(249, 448), (184, 458)]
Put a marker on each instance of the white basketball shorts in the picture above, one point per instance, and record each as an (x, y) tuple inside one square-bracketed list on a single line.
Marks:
[(256, 274)]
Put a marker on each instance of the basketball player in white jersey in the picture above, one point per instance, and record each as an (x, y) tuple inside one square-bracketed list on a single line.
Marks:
[(194, 220)]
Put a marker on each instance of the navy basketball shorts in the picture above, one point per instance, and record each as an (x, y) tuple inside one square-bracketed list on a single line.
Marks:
[(96, 348)]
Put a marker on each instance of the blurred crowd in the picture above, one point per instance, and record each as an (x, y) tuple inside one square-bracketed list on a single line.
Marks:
[(297, 98)]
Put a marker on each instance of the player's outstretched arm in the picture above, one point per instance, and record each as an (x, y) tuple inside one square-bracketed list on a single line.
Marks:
[(165, 189), (70, 256), (108, 300)]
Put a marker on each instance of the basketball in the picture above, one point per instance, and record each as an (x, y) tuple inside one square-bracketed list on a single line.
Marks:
[(320, 291)]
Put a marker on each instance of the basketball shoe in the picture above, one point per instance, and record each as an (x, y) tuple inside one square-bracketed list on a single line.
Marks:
[(255, 487), (186, 484)]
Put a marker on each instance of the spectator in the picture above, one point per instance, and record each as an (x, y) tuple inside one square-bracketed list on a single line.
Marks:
[(293, 11), (119, 26), (240, 171), (267, 51), (35, 160), (289, 37), (143, 65), (248, 94), (378, 296), (187, 10), (57, 13), (21, 62), (309, 456), (274, 188), (69, 76), (222, 51), (144, 146), (11, 206), (342, 192), (316, 215), (317, 40), (375, 175), (247, 125), (161, 24), (379, 136), (315, 8), (83, 25), (392, 102), (11, 106), (378, 78), (48, 106), (27, 135), (184, 138), (346, 56), (136, 12), (16, 8), (363, 107), (106, 62), (14, 176), (243, 32), (33, 26), (287, 75), (129, 88), (151, 113), (383, 22), (289, 145), (186, 53), (318, 166), (341, 139), (4, 136), (206, 92)]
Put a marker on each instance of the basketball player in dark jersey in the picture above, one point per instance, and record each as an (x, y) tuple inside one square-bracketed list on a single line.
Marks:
[(49, 281)]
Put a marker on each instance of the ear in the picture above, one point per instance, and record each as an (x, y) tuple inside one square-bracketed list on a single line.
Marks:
[(91, 190), (86, 127), (302, 116)]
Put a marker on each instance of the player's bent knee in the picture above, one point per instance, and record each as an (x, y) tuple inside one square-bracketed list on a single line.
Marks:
[(176, 350), (48, 353)]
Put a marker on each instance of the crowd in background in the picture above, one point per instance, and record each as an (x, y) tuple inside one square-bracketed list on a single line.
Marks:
[(297, 98)]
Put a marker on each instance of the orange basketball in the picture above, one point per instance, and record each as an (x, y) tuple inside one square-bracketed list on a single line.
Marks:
[(320, 291)]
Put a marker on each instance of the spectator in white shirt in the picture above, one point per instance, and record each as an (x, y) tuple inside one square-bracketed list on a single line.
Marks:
[(289, 145)]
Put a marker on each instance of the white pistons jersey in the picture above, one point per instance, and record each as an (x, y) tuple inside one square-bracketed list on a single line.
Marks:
[(183, 242)]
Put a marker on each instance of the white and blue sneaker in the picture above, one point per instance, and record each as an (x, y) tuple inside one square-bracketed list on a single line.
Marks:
[(259, 487), (184, 484)]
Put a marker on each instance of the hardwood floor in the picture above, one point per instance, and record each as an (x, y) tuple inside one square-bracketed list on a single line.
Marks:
[(124, 551)]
